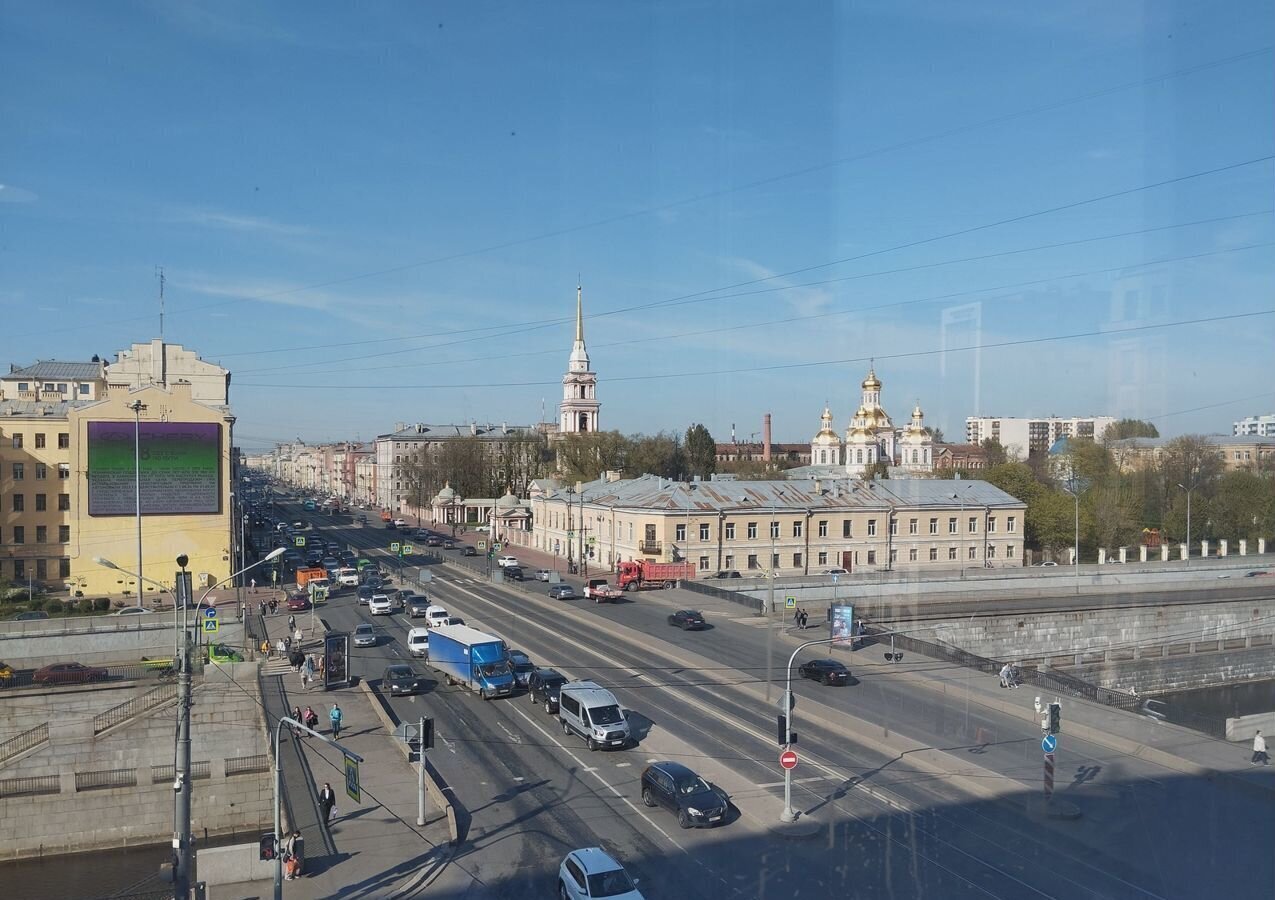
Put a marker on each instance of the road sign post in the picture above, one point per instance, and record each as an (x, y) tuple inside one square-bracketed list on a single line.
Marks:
[(1049, 775)]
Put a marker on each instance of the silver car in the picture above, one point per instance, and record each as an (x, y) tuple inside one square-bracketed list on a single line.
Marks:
[(365, 636)]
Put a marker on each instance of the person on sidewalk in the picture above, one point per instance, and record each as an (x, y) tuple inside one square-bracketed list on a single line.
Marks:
[(327, 803), (1259, 750), (307, 672), (334, 717), (311, 718), (292, 623), (296, 717), (1006, 674)]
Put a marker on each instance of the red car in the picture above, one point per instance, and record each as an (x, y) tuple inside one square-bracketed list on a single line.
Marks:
[(298, 602), (68, 673)]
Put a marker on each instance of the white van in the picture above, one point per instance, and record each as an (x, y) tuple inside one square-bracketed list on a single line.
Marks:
[(592, 712), (435, 616), (418, 642)]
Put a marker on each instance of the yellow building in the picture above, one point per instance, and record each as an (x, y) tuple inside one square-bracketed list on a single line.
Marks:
[(35, 491), (185, 483)]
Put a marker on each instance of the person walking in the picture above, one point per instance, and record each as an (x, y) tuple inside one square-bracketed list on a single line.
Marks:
[(1259, 750), (311, 718), (253, 583), (805, 618), (1005, 675), (296, 717), (307, 672), (334, 717), (262, 608), (292, 623), (327, 803)]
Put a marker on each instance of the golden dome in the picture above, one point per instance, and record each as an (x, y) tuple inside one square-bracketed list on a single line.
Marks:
[(871, 382)]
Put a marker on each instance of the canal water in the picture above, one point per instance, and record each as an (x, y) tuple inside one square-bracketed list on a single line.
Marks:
[(1207, 709)]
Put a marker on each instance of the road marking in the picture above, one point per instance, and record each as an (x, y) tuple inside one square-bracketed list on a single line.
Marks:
[(590, 769), (513, 737), (623, 765)]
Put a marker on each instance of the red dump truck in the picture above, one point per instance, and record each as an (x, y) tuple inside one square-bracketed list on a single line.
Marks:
[(640, 574)]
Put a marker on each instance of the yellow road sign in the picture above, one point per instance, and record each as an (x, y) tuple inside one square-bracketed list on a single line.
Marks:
[(210, 626)]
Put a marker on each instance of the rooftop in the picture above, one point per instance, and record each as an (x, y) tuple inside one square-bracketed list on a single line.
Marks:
[(1219, 439), (52, 368), (426, 432)]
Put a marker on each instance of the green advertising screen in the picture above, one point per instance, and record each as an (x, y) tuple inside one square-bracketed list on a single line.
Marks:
[(179, 473)]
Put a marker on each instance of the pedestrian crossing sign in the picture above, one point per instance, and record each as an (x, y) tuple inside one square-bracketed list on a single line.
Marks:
[(394, 547), (790, 602), (299, 540), (352, 779), (210, 626), (408, 549)]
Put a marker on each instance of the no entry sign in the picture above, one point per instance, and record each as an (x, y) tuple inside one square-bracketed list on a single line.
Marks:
[(788, 759)]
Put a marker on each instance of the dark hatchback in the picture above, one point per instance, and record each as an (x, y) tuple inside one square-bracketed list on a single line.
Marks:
[(513, 573), (469, 551), (543, 686), (688, 620), (828, 671), (695, 802), (400, 679)]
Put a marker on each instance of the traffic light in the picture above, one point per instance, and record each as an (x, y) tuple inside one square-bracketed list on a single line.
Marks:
[(267, 845), (1055, 717), (782, 732), (427, 738)]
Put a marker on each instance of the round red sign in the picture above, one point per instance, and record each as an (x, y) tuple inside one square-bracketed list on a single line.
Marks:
[(788, 759)]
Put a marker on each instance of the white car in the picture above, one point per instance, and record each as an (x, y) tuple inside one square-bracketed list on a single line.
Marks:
[(133, 611), (835, 571), (507, 561), (380, 605), (400, 523), (435, 616), (348, 577), (592, 872)]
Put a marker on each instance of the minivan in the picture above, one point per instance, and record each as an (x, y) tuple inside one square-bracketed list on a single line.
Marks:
[(418, 641), (592, 712)]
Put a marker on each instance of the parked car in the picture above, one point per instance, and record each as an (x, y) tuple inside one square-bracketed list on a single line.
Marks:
[(69, 673), (132, 611), (542, 574), (298, 602), (676, 788), (400, 679), (30, 615), (365, 635), (542, 687), (417, 604), (727, 573), (828, 671), (592, 872), (220, 653), (836, 570), (562, 592), (688, 620), (522, 667), (469, 551), (507, 561), (513, 573)]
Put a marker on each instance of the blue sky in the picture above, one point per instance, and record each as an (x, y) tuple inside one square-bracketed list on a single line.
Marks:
[(377, 213)]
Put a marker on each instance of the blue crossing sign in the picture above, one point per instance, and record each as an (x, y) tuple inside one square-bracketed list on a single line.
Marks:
[(1049, 743)]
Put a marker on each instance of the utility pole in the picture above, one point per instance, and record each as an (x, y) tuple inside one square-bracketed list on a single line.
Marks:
[(181, 774), (137, 406)]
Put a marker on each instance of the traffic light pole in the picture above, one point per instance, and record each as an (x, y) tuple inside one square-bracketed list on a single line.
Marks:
[(787, 704)]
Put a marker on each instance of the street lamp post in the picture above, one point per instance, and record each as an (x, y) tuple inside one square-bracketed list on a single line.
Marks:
[(137, 406), (788, 815), (1188, 521)]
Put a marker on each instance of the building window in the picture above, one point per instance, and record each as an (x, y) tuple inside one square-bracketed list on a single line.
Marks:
[(679, 533), (730, 531), (973, 524), (912, 526), (934, 554), (796, 560), (41, 534), (19, 569), (64, 568), (19, 535), (17, 442), (1009, 551), (823, 528), (1010, 524), (894, 555), (24, 385), (752, 531), (730, 561), (64, 534), (934, 526), (752, 561), (703, 563), (84, 389), (41, 471), (39, 441), (951, 553), (64, 441), (41, 502), (774, 560), (774, 530), (41, 572), (846, 528), (872, 527), (872, 557), (911, 554), (64, 502), (19, 471), (796, 529), (894, 526), (973, 554), (951, 525), (991, 524), (703, 531), (19, 503), (822, 558)]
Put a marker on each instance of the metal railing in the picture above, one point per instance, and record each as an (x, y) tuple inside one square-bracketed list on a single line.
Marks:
[(756, 604), (21, 743), (247, 765), (105, 779), (166, 773), (134, 707), (32, 786)]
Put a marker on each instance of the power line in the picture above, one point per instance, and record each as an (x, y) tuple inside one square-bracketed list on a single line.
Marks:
[(804, 365)]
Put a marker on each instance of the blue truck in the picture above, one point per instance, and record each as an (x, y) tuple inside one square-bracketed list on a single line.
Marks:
[(473, 658)]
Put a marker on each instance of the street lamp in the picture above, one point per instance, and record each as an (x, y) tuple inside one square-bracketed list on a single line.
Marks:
[(788, 815), (1188, 521), (137, 406), (960, 526)]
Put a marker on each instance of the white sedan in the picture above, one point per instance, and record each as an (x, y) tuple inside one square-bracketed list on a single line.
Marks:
[(507, 561)]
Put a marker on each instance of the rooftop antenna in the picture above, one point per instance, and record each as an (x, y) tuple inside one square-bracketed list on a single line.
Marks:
[(159, 273)]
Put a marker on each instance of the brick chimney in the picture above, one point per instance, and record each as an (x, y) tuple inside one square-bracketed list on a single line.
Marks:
[(765, 438)]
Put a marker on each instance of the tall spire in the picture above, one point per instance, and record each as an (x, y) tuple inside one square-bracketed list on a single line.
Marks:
[(579, 313)]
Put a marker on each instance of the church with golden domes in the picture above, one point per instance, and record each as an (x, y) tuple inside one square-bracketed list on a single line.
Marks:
[(872, 439)]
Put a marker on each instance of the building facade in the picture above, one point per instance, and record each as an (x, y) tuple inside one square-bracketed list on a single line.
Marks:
[(1235, 452), (53, 381), (796, 527), (872, 440), (161, 364), (1023, 437), (1259, 426)]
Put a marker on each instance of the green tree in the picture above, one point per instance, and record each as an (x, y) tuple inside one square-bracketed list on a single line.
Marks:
[(655, 454), (1130, 428), (936, 433), (996, 454), (701, 451), (584, 457), (1242, 507)]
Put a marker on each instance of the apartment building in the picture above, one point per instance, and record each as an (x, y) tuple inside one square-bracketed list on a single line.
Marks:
[(1259, 426), (1023, 437)]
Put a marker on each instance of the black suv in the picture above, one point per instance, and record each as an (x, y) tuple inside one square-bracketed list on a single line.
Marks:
[(543, 686), (694, 801), (829, 671), (513, 573), (688, 620)]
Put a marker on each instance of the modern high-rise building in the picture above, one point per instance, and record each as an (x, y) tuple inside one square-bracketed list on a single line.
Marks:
[(1022, 437)]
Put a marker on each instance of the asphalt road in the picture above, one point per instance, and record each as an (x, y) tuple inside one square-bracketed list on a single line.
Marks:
[(891, 829)]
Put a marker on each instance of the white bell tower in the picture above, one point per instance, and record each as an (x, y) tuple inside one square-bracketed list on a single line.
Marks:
[(578, 412)]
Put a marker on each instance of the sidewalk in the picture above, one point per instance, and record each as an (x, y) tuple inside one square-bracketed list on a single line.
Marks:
[(369, 849)]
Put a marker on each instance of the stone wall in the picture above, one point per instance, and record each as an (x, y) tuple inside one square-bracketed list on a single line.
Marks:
[(85, 791), (1157, 675)]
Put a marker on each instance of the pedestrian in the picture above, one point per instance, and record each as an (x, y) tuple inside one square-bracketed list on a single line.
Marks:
[(307, 672), (281, 648), (292, 623), (274, 606), (1005, 675), (334, 717), (253, 583), (805, 618), (296, 717), (311, 718), (327, 802), (263, 608), (322, 667), (1259, 750)]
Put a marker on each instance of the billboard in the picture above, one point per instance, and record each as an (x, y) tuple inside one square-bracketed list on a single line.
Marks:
[(180, 468), (842, 617)]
